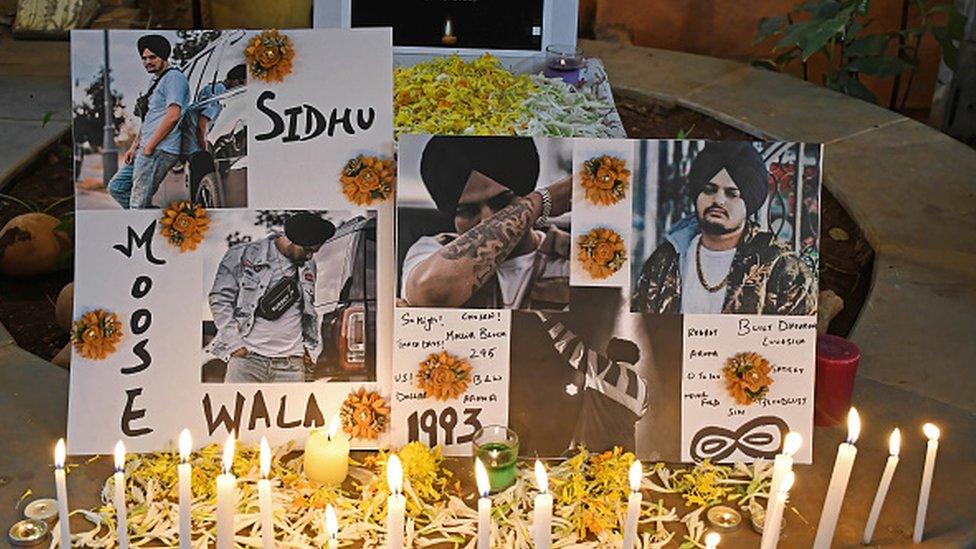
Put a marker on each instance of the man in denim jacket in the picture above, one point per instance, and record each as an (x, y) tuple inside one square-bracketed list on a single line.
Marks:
[(263, 304)]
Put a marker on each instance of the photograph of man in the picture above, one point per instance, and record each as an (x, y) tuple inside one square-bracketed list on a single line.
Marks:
[(503, 254), (719, 260), (207, 106), (159, 144), (263, 304)]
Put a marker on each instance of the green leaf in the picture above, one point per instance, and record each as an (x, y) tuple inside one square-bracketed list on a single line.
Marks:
[(812, 6), (826, 10), (46, 118), (820, 35), (850, 85), (793, 34), (874, 44), (950, 51), (881, 66), (769, 26)]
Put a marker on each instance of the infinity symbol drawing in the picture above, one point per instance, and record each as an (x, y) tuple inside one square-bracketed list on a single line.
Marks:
[(758, 438)]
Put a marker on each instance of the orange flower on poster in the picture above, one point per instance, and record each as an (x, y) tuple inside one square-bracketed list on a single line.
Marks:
[(747, 377), (96, 334), (601, 252), (269, 56), (368, 179), (444, 376), (605, 179), (365, 414), (184, 225)]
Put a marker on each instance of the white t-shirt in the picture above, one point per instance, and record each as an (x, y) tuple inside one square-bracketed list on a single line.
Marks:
[(715, 266), (281, 337), (513, 273)]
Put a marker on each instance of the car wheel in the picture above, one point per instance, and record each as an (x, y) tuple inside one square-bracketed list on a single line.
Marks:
[(208, 195)]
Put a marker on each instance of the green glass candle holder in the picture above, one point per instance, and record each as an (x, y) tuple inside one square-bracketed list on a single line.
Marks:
[(497, 446)]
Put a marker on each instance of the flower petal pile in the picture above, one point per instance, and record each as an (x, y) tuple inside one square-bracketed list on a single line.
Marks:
[(96, 334), (601, 252)]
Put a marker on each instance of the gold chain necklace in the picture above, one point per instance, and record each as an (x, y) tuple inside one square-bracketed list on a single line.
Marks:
[(701, 275)]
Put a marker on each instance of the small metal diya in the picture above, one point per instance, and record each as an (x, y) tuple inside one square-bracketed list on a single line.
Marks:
[(43, 509), (758, 519), (723, 518), (27, 532)]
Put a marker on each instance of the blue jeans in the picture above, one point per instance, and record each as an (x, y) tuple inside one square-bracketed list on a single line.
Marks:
[(255, 368), (134, 185)]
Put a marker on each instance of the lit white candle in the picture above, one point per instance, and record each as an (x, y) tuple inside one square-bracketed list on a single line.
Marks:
[(264, 496), (782, 464), (843, 464), (894, 446), (185, 488), (932, 433), (774, 520), (396, 504), (542, 516), (120, 510), (633, 505), (61, 489), (226, 498), (326, 456), (484, 504), (331, 527), (712, 539)]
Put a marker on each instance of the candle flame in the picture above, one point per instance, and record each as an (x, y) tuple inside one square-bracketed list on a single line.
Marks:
[(265, 458), (787, 484), (448, 28), (541, 479), (331, 522), (481, 478), (712, 539), (894, 442), (333, 427), (59, 454), (119, 456), (229, 453), (792, 443), (186, 444), (931, 431), (634, 475), (394, 474), (853, 425)]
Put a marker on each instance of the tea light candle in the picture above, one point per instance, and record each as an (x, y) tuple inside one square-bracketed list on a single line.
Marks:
[(542, 516), (484, 504), (331, 527), (723, 518), (264, 496), (120, 510), (326, 456), (894, 447), (61, 489), (449, 39), (226, 498), (782, 464), (774, 517), (396, 504), (633, 505), (712, 539), (932, 433), (497, 447), (185, 488), (843, 464)]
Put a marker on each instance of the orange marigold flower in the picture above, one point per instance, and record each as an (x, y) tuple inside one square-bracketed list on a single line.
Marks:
[(367, 179), (605, 179), (184, 224), (444, 376), (269, 56), (601, 252), (365, 414), (747, 377), (96, 334)]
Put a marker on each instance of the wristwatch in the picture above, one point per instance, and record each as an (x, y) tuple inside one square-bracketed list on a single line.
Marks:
[(543, 220)]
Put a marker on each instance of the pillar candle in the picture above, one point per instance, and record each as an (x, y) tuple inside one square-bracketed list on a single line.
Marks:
[(932, 432), (894, 445), (264, 496), (185, 488), (633, 505), (712, 539), (61, 489), (226, 498), (327, 454), (331, 527), (542, 515), (774, 520), (484, 504), (120, 509), (396, 504), (782, 464), (837, 487)]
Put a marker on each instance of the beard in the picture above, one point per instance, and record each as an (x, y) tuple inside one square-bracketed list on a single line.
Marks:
[(716, 229)]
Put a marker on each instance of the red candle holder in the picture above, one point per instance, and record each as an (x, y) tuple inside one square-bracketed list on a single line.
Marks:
[(837, 360)]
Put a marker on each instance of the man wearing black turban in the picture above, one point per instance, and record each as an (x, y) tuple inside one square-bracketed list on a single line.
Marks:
[(159, 144), (496, 259), (719, 261), (263, 303)]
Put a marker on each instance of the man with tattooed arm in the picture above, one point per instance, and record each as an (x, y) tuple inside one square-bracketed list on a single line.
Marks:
[(505, 254)]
